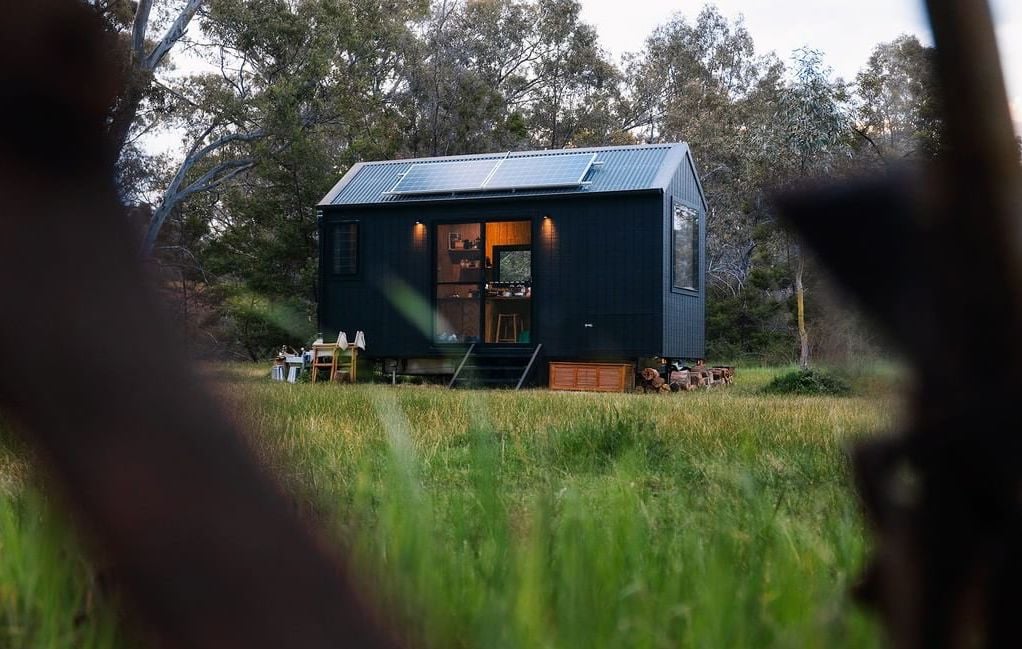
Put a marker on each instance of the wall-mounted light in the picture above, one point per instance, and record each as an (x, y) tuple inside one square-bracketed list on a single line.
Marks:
[(418, 234), (548, 232)]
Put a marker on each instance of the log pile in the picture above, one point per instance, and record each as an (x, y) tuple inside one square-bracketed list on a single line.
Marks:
[(652, 381), (685, 379)]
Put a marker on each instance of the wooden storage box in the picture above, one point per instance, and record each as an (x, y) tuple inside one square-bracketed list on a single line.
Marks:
[(592, 377)]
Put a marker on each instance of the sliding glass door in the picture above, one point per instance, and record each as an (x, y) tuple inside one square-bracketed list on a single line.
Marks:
[(483, 282)]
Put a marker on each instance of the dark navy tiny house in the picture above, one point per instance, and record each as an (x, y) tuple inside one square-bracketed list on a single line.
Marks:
[(582, 254)]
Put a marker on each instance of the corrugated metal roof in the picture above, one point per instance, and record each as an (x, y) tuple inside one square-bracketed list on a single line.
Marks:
[(617, 169)]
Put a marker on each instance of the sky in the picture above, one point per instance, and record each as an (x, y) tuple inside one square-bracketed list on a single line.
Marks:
[(844, 31)]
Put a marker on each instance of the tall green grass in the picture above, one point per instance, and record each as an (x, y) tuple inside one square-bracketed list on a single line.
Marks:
[(535, 519), (48, 594)]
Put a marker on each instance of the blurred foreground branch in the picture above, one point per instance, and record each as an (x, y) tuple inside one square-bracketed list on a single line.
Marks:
[(936, 257), (203, 544)]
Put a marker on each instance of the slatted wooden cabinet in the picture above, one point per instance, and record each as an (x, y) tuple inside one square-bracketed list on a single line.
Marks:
[(592, 377)]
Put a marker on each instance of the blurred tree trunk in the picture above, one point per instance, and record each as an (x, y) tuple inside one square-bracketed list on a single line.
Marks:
[(800, 293)]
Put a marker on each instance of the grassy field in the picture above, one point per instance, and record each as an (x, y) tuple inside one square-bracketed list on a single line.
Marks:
[(536, 519)]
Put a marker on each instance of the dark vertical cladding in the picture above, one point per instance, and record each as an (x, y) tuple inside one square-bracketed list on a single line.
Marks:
[(684, 321), (599, 290), (601, 284), (393, 269)]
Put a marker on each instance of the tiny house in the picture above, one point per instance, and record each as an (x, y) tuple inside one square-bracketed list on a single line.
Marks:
[(587, 255)]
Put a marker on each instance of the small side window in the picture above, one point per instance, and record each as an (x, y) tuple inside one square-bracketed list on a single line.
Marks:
[(685, 229), (344, 249)]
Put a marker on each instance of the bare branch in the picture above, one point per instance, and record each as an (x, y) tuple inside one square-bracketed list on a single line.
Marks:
[(212, 178), (174, 33), (176, 93), (138, 30), (174, 194), (861, 133), (195, 154), (136, 136), (223, 73), (196, 264)]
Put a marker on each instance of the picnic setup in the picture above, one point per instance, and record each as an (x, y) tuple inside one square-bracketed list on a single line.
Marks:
[(339, 361)]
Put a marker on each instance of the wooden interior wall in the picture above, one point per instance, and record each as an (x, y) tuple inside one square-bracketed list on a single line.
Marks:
[(448, 268), (507, 233)]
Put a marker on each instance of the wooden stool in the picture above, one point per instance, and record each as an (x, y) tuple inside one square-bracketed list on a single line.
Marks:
[(504, 321)]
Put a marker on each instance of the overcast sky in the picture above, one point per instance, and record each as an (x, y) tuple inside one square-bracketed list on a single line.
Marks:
[(844, 31)]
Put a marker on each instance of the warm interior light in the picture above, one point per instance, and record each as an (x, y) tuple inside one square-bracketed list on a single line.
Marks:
[(418, 223)]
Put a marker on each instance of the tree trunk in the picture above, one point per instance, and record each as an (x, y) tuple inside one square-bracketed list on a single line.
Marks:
[(156, 223), (800, 301), (141, 67), (125, 111)]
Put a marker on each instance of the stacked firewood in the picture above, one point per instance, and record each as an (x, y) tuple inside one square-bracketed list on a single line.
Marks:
[(651, 381), (722, 375), (684, 379)]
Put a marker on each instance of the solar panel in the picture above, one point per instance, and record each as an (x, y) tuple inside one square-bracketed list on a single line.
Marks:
[(531, 172), (442, 177), (487, 175)]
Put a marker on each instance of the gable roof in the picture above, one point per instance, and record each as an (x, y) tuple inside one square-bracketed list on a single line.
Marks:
[(616, 169)]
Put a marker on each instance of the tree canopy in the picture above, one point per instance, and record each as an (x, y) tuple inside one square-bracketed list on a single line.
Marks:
[(280, 97)]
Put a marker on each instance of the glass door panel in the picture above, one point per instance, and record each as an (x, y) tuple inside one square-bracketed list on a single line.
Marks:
[(457, 313), (508, 304), (460, 274)]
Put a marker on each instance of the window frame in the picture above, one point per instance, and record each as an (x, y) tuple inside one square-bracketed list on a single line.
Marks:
[(676, 205), (335, 227)]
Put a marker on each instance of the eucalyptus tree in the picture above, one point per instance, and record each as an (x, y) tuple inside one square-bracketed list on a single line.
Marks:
[(145, 33), (812, 140), (305, 87), (273, 68), (898, 114), (468, 59), (140, 54), (509, 74), (704, 83), (577, 89)]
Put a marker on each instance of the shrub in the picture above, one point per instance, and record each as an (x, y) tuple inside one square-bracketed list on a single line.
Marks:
[(808, 382)]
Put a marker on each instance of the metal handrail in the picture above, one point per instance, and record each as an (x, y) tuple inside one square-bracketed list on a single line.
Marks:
[(458, 371), (529, 366)]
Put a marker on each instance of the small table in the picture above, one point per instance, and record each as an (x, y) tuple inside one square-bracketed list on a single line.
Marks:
[(292, 363)]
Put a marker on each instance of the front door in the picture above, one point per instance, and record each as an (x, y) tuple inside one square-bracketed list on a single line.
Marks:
[(484, 283)]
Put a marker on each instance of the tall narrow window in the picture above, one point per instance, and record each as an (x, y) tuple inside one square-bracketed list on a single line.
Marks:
[(344, 246), (686, 247)]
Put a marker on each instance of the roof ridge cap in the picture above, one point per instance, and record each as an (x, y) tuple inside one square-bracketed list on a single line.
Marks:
[(499, 154)]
